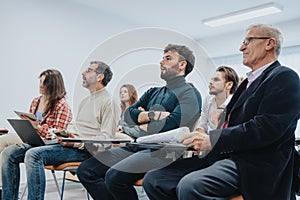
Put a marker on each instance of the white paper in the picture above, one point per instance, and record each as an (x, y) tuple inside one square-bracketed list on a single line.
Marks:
[(171, 136)]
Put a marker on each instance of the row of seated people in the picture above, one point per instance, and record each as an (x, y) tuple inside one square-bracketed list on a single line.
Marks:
[(227, 168), (96, 119), (60, 115)]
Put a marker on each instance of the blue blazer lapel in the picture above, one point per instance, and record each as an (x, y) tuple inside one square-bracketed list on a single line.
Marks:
[(241, 95), (237, 95)]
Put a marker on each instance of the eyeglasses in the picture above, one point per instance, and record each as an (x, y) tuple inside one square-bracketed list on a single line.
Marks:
[(90, 70), (247, 40)]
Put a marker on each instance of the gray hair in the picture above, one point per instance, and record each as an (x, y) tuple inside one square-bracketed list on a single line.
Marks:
[(103, 68), (269, 31)]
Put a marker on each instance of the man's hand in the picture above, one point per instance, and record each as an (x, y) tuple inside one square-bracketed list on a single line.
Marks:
[(158, 115), (144, 127), (66, 144), (163, 115), (141, 108), (119, 128), (197, 140), (200, 130), (144, 119)]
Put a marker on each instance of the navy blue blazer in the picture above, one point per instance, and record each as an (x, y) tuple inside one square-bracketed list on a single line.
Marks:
[(260, 135)]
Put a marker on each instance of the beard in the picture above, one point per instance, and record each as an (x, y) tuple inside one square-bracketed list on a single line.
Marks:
[(88, 82), (212, 92), (85, 84), (169, 73), (216, 90)]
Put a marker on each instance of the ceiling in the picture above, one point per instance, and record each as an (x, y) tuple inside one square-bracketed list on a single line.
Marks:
[(186, 17)]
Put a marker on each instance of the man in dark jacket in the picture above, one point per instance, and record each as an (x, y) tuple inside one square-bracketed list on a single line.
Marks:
[(254, 152)]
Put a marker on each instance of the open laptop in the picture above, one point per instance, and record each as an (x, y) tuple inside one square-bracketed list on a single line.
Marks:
[(28, 134)]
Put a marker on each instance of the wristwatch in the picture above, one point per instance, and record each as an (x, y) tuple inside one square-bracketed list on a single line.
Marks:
[(151, 115)]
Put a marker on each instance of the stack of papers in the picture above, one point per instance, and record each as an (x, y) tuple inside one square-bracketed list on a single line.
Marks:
[(172, 136)]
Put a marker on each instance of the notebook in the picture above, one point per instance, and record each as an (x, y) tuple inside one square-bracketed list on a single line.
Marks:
[(28, 134), (29, 115)]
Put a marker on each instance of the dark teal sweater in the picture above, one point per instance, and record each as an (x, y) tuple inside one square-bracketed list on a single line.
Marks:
[(178, 97)]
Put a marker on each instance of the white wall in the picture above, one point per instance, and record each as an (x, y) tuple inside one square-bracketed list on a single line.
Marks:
[(36, 35), (40, 34)]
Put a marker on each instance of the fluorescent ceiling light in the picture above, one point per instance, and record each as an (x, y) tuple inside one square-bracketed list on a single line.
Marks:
[(241, 15)]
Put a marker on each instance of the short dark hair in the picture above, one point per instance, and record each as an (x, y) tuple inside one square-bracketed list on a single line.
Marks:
[(104, 69), (186, 53), (230, 75)]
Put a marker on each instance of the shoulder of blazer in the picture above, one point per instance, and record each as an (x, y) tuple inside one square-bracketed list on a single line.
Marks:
[(275, 68), (270, 70)]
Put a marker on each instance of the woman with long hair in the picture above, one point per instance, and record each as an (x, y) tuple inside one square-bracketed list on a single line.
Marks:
[(50, 108), (128, 96)]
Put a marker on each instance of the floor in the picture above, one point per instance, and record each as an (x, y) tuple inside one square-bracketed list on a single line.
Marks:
[(73, 191)]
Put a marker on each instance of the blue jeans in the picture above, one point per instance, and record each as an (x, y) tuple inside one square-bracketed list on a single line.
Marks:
[(34, 158), (111, 174)]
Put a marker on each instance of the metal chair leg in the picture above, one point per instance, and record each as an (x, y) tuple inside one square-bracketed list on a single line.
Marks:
[(60, 192), (56, 183), (24, 192), (63, 186)]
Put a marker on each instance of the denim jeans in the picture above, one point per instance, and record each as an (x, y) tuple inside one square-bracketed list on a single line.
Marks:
[(111, 174), (5, 141), (34, 158)]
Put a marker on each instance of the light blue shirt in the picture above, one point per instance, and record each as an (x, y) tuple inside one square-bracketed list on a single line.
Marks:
[(39, 116)]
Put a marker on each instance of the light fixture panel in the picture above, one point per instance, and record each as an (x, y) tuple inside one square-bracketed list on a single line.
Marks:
[(242, 15)]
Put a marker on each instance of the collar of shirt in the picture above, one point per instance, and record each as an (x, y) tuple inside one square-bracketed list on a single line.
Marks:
[(252, 76), (224, 104)]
